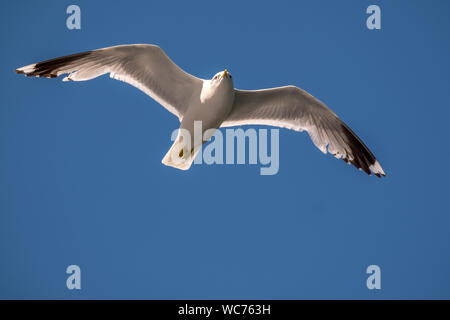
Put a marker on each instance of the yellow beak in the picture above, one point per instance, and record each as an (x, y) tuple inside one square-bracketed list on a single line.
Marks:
[(224, 73)]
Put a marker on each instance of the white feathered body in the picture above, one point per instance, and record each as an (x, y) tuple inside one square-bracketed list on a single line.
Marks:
[(210, 109)]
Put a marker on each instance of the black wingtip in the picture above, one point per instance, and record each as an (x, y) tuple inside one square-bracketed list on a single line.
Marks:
[(50, 68), (363, 158)]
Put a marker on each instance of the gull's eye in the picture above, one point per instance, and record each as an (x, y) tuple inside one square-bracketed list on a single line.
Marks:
[(231, 76)]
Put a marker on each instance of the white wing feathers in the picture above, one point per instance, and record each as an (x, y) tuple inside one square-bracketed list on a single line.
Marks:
[(146, 67), (149, 69), (292, 108)]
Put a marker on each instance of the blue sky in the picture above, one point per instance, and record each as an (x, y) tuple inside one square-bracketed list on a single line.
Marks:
[(81, 180)]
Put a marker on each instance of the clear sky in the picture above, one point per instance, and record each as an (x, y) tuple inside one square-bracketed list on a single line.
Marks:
[(81, 179)]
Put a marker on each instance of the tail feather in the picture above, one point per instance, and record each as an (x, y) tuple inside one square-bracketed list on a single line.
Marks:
[(179, 156)]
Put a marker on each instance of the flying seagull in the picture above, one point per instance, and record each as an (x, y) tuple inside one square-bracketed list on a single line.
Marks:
[(215, 102)]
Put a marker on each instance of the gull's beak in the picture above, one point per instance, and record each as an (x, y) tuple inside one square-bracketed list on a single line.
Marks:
[(224, 73)]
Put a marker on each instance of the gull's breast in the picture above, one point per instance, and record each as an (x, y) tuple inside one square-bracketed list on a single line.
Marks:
[(213, 107)]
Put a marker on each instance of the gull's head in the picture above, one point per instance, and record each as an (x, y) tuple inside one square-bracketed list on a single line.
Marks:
[(222, 77), (219, 87)]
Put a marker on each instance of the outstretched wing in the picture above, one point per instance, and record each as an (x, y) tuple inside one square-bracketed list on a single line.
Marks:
[(292, 108), (144, 66)]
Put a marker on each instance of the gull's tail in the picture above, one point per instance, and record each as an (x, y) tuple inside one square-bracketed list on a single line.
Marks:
[(180, 155)]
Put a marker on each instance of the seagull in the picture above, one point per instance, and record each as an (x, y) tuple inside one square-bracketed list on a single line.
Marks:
[(214, 102)]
